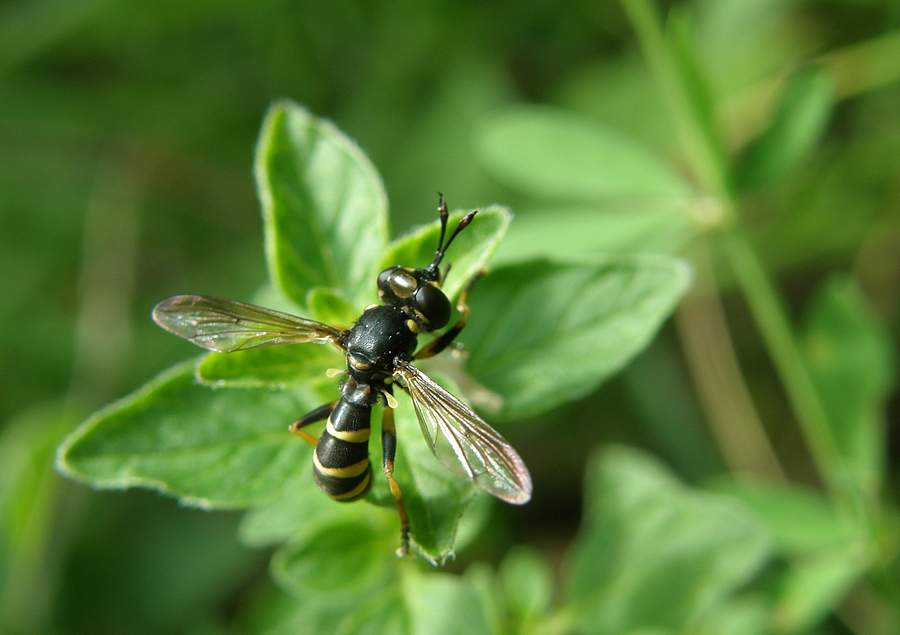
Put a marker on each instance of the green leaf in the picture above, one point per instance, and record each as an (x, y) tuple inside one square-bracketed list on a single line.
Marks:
[(544, 332), (341, 563), (336, 563), (800, 520), (435, 498), (747, 614), (299, 511), (852, 361), (364, 601), (30, 511), (654, 554), (700, 138), (276, 613), (210, 448), (383, 614), (571, 232), (271, 367), (796, 127), (527, 582), (382, 597), (332, 308), (442, 604), (548, 152), (813, 586), (468, 253), (324, 206), (302, 511)]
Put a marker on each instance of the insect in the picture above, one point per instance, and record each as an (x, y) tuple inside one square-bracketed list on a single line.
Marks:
[(379, 349)]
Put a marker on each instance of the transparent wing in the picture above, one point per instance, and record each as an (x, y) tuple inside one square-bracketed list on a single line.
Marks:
[(225, 325), (463, 441)]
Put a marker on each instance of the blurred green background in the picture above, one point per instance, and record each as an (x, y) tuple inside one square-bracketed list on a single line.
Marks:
[(127, 133)]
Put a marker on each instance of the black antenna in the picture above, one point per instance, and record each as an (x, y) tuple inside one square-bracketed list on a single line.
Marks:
[(442, 210), (442, 247)]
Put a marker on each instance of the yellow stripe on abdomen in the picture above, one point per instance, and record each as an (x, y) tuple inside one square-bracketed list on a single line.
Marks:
[(356, 491), (350, 436), (349, 471)]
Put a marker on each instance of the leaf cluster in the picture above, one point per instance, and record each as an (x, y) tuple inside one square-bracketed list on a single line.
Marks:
[(213, 432), (759, 140)]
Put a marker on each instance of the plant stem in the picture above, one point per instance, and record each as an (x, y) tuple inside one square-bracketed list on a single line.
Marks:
[(772, 321), (711, 360), (866, 66), (703, 158), (765, 305)]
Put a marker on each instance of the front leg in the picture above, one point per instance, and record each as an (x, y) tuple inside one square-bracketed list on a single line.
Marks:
[(443, 341)]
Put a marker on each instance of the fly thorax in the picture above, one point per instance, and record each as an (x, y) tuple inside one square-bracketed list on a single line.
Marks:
[(382, 334)]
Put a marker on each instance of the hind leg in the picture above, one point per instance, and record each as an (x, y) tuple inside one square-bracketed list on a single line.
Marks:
[(389, 448), (319, 414)]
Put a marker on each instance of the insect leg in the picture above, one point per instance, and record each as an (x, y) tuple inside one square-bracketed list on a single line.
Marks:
[(318, 414), (389, 449), (443, 341)]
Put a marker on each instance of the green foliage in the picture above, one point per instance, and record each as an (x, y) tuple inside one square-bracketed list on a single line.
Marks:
[(838, 367), (758, 141), (552, 317), (557, 155), (228, 447), (793, 132), (324, 206), (853, 364), (654, 555), (216, 449)]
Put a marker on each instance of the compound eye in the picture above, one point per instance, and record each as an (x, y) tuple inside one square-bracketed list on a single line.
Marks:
[(434, 305), (402, 284), (384, 276)]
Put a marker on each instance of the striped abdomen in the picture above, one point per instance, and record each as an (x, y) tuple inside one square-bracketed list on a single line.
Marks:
[(341, 460)]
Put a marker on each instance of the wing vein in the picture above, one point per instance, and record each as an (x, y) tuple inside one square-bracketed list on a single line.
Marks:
[(463, 441)]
